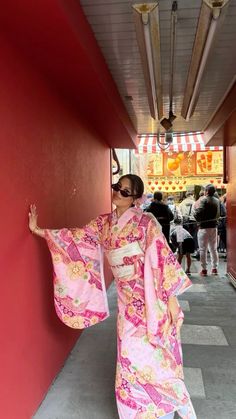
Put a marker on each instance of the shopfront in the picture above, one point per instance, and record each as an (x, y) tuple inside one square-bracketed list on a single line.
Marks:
[(186, 164)]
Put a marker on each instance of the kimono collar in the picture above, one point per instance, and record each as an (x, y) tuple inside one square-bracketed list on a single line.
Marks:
[(126, 216)]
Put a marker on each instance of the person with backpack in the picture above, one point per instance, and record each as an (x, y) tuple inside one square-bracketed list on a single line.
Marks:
[(207, 215), (186, 209)]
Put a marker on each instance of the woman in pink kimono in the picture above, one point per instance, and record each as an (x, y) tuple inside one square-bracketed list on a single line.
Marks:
[(149, 375)]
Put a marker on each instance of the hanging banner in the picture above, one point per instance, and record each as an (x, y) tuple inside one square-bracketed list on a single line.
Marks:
[(209, 163)]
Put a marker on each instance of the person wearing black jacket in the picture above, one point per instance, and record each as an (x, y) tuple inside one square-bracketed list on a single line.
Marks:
[(207, 215), (162, 213)]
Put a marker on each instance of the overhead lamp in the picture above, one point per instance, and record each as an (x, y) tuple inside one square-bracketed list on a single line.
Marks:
[(146, 18), (211, 15), (172, 56), (167, 123)]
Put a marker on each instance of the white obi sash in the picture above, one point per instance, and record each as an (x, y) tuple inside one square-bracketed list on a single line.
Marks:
[(123, 259)]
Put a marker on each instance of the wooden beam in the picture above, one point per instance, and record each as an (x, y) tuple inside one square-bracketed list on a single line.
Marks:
[(225, 114)]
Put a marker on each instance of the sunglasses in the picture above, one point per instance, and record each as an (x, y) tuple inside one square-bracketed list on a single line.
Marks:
[(116, 187)]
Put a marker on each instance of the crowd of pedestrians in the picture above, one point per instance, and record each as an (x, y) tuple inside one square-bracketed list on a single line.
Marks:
[(193, 227)]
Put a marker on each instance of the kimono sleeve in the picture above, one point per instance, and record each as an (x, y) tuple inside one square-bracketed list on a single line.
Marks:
[(163, 277), (169, 277), (79, 289)]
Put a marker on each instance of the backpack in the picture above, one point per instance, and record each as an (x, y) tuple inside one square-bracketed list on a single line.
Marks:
[(186, 218)]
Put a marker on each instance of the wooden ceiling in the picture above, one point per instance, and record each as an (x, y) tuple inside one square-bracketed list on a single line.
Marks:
[(113, 26)]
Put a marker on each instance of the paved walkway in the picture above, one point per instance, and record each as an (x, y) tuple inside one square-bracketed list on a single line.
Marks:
[(84, 388)]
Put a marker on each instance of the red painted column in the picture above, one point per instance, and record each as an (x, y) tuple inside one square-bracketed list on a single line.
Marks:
[(231, 210)]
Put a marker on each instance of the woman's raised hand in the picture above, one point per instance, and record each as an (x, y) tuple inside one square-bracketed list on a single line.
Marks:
[(33, 218)]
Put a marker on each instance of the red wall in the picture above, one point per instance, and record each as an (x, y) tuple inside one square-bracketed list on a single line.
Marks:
[(231, 209), (54, 159), (56, 36)]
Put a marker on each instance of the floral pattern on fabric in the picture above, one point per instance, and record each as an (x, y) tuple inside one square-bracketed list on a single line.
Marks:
[(79, 291), (149, 377)]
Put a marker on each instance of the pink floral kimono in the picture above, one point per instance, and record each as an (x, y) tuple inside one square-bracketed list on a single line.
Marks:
[(149, 377)]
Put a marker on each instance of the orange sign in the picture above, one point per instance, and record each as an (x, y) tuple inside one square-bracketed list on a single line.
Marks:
[(179, 163), (209, 163)]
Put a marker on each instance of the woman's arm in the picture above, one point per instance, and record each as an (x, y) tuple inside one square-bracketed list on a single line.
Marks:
[(33, 217)]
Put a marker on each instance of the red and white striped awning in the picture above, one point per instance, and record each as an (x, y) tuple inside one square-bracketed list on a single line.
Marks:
[(191, 141)]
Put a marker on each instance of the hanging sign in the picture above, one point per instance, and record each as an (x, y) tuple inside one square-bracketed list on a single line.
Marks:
[(179, 163), (155, 164), (209, 163)]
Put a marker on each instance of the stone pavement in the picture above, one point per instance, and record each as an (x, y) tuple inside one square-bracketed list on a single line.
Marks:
[(84, 388)]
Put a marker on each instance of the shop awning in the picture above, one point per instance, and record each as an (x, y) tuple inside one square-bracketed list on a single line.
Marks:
[(192, 141)]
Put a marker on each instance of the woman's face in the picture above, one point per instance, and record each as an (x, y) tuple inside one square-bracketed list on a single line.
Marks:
[(120, 201)]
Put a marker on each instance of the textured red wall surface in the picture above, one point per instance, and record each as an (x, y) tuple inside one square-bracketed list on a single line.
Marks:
[(52, 158), (231, 210), (57, 38)]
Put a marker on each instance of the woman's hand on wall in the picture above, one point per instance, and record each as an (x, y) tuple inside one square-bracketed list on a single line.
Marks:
[(33, 219)]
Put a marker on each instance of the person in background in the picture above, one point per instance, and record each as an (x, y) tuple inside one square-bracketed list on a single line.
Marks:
[(162, 213), (175, 211), (149, 373), (196, 204), (200, 197), (147, 202), (183, 242), (207, 215), (186, 209)]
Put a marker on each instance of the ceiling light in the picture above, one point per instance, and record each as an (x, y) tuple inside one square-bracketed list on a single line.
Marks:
[(172, 55), (211, 15), (146, 17)]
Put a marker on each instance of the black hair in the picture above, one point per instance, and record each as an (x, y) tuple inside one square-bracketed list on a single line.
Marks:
[(210, 189), (137, 186), (158, 196)]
